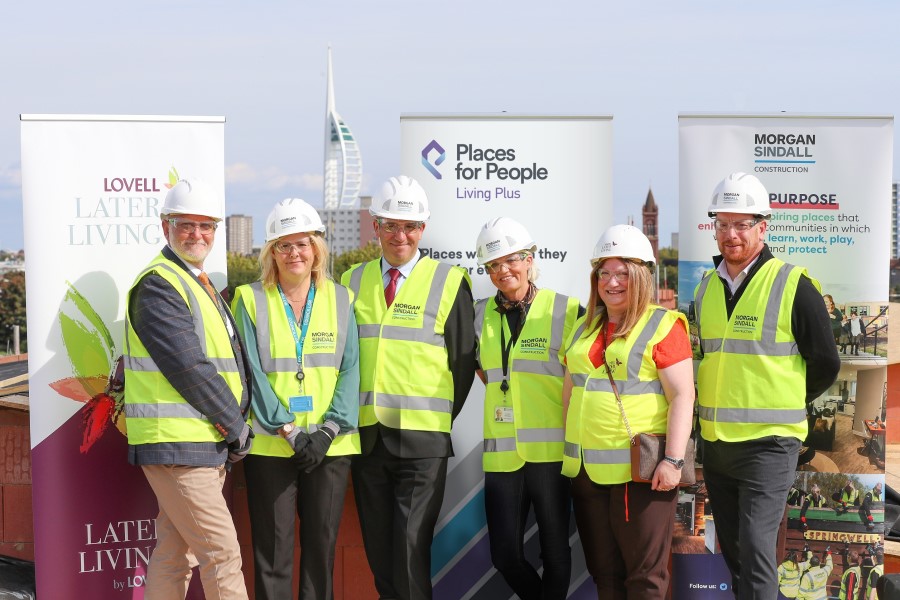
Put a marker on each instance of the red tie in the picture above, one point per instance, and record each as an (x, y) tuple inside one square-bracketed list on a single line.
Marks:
[(391, 290), (204, 279)]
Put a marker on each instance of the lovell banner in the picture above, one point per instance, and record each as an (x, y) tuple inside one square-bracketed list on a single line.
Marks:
[(92, 188)]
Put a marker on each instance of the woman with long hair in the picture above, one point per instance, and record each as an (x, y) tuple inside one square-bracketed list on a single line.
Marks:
[(629, 367)]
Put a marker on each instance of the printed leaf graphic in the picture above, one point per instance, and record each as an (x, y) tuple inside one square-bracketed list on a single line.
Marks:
[(80, 389), (173, 176), (88, 342)]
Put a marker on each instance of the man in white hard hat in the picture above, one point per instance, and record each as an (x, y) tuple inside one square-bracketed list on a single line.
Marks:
[(417, 363), (768, 350), (186, 376)]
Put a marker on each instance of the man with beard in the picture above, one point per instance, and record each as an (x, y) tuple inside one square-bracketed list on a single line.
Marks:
[(768, 350), (187, 397)]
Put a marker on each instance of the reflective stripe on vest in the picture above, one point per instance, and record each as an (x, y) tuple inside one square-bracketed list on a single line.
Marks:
[(595, 434), (535, 378), (156, 412), (321, 361), (752, 379), (404, 379)]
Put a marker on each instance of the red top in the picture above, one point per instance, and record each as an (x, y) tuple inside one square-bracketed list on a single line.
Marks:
[(672, 349)]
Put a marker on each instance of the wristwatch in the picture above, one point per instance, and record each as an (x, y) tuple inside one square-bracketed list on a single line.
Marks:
[(286, 429), (678, 462)]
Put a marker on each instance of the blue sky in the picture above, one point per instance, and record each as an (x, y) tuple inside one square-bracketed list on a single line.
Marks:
[(262, 66)]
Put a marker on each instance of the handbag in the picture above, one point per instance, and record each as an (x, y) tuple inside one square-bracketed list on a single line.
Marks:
[(648, 449)]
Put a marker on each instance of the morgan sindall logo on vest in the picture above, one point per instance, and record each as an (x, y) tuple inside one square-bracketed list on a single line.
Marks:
[(441, 154)]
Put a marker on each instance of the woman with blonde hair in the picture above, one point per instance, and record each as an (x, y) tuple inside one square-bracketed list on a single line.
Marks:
[(303, 348), (520, 331), (629, 370)]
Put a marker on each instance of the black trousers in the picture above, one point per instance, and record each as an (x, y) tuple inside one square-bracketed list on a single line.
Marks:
[(508, 497), (277, 492), (399, 500)]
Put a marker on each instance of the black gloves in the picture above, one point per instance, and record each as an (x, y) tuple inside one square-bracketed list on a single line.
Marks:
[(240, 447), (310, 449)]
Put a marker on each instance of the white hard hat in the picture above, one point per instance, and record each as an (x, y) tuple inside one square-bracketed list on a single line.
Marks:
[(624, 241), (193, 197), (292, 215), (401, 198), (740, 193), (500, 237)]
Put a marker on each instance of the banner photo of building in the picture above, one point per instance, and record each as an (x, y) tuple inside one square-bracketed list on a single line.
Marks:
[(92, 190), (829, 185), (553, 175)]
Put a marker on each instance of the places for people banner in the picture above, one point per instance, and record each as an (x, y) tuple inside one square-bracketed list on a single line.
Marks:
[(553, 174)]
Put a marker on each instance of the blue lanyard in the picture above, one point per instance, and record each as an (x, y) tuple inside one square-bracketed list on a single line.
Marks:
[(304, 325)]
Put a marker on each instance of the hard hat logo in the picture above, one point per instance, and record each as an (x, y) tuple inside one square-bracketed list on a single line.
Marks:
[(500, 237), (292, 215), (492, 246), (624, 241), (401, 198), (731, 198)]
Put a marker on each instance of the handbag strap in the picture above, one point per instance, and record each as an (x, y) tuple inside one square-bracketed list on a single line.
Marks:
[(615, 389)]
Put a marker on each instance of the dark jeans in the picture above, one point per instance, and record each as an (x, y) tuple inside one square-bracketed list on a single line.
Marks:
[(748, 484), (507, 499)]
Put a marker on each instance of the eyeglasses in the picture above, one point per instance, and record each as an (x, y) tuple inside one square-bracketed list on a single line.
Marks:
[(509, 263), (287, 247), (739, 226), (188, 227), (620, 276), (408, 227)]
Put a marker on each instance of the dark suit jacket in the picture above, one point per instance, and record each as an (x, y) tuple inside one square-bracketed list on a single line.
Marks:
[(459, 336), (163, 323)]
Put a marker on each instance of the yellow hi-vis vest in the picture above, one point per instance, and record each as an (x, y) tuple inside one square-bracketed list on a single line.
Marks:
[(405, 382), (789, 574), (535, 378), (852, 594), (752, 380), (872, 580), (595, 433), (156, 412), (323, 350), (813, 582)]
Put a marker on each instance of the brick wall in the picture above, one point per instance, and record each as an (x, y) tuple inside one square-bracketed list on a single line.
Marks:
[(16, 523)]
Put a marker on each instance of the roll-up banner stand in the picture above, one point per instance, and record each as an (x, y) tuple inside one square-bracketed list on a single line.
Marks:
[(92, 188), (829, 184), (553, 174)]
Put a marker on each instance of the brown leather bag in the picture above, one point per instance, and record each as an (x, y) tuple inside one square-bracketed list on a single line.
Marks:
[(648, 449)]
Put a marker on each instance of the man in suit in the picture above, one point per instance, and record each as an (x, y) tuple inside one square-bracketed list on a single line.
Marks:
[(186, 402), (417, 363)]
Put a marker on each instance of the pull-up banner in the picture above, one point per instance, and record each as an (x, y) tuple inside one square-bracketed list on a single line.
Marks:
[(829, 185), (552, 174), (92, 188)]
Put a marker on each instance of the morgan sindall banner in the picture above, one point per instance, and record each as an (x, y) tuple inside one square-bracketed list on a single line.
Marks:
[(553, 174), (829, 185), (92, 188)]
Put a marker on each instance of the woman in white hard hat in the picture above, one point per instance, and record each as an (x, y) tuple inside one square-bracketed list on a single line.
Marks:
[(303, 347), (521, 330), (626, 527)]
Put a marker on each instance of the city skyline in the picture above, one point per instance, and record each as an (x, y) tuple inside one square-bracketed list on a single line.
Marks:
[(263, 71)]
